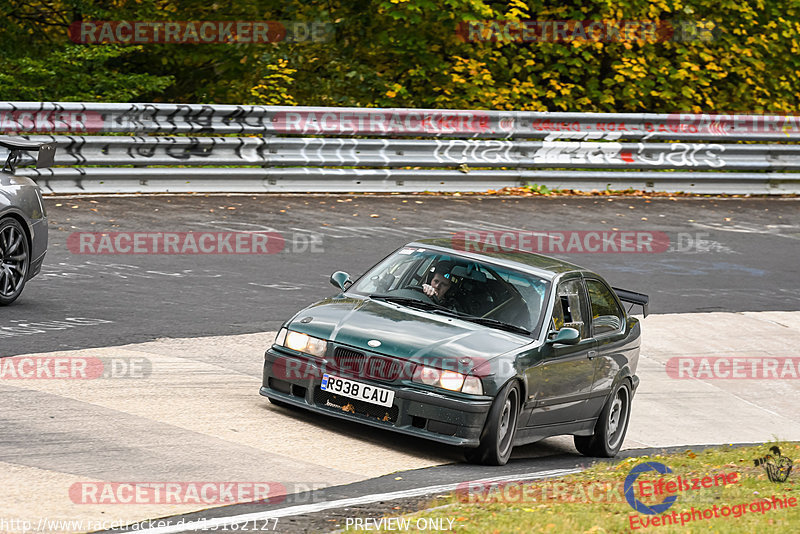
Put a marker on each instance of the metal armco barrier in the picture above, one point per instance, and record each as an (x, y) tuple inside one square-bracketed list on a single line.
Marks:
[(310, 180), (300, 149)]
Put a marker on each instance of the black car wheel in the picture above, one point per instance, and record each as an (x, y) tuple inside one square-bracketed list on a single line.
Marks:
[(14, 260), (609, 432), (497, 438)]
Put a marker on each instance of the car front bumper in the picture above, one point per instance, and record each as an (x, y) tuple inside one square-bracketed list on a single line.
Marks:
[(415, 412)]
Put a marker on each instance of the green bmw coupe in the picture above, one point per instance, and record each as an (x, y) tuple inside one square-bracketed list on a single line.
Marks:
[(484, 351)]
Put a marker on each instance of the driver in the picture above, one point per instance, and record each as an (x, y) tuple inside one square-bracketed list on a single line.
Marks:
[(440, 283)]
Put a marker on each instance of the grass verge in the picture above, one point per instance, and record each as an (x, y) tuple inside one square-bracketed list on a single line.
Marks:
[(715, 490)]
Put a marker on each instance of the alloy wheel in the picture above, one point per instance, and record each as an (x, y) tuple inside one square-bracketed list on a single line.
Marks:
[(13, 260)]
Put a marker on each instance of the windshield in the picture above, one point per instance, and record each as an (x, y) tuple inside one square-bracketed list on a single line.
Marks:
[(473, 290)]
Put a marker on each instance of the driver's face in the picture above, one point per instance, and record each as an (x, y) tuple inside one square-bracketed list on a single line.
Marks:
[(440, 284)]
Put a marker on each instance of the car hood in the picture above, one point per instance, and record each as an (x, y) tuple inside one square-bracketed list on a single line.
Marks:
[(403, 332)]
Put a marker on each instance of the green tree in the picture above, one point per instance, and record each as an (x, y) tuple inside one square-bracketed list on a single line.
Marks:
[(710, 55)]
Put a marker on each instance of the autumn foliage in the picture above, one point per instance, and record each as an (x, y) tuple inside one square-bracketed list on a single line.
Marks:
[(703, 55)]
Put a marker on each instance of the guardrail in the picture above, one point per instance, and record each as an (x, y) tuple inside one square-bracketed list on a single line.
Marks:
[(302, 149)]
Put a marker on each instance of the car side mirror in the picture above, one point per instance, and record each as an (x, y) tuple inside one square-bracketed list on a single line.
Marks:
[(341, 280), (566, 336)]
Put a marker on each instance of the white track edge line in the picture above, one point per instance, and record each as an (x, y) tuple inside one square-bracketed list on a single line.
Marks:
[(342, 503)]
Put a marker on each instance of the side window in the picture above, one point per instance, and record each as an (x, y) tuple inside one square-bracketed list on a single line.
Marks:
[(607, 316), (568, 308)]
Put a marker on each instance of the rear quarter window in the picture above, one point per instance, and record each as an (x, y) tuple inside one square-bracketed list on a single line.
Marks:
[(607, 316)]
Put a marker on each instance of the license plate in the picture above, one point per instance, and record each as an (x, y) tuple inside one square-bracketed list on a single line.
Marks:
[(357, 390)]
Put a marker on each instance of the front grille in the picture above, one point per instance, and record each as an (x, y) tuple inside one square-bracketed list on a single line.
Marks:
[(334, 402), (349, 361), (359, 365), (381, 368)]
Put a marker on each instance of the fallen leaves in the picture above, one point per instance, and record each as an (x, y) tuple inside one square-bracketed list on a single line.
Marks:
[(525, 191)]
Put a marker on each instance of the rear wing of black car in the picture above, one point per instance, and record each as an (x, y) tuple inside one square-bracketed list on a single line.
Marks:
[(632, 297), (46, 153)]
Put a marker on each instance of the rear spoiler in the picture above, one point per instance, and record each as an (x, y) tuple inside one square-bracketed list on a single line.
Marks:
[(45, 157), (633, 298)]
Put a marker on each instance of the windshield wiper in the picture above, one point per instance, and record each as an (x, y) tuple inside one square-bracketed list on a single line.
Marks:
[(392, 298), (412, 302), (495, 323)]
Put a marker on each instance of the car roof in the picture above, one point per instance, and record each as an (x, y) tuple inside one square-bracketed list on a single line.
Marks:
[(544, 266)]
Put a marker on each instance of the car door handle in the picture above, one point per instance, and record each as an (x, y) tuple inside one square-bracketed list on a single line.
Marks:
[(592, 354)]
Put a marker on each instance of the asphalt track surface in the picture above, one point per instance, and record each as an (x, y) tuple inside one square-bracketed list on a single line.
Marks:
[(725, 255)]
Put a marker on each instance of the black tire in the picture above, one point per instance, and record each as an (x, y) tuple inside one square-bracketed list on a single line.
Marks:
[(14, 260), (583, 444), (611, 426), (497, 438)]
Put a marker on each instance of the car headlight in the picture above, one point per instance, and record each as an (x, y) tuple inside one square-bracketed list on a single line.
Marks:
[(301, 342), (449, 380)]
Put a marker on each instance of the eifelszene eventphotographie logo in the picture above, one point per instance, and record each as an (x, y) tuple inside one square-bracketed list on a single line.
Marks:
[(777, 467), (630, 483)]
